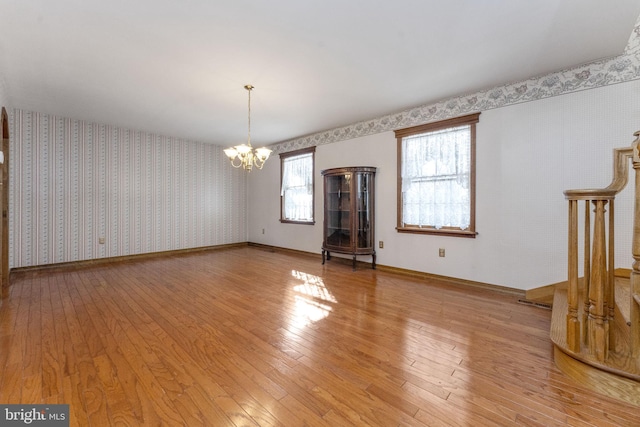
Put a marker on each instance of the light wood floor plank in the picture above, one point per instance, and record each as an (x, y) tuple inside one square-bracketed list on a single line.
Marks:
[(248, 336)]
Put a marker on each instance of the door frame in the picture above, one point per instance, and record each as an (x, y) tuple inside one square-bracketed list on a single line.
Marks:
[(4, 205)]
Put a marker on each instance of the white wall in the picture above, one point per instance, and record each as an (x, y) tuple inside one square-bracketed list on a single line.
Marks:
[(73, 182), (3, 96), (527, 155)]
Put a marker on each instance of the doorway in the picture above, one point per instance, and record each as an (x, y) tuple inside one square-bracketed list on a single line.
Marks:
[(4, 204)]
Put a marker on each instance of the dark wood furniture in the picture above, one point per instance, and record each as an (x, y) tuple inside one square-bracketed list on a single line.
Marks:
[(349, 226)]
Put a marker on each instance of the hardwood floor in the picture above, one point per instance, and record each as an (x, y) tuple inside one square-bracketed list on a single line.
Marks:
[(247, 336)]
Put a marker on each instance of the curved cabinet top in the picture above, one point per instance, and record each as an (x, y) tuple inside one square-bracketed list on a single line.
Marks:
[(369, 169)]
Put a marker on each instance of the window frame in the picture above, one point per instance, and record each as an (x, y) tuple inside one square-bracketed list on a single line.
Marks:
[(471, 120), (285, 156)]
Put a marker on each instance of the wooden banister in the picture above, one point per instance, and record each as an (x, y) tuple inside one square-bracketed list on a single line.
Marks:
[(590, 324)]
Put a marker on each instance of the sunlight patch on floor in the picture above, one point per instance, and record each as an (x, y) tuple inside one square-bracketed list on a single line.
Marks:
[(312, 286), (308, 311), (312, 300)]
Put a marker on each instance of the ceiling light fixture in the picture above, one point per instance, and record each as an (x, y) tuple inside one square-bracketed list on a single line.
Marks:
[(248, 156)]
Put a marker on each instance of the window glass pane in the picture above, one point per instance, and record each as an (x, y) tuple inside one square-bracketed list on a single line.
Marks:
[(436, 168), (297, 188), (365, 234)]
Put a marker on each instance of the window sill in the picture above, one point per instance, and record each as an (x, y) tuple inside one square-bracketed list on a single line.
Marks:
[(451, 232), (290, 221)]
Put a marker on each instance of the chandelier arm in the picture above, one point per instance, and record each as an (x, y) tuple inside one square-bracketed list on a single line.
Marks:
[(233, 162)]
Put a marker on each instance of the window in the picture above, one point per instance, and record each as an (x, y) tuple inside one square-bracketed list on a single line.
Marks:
[(297, 186), (436, 177)]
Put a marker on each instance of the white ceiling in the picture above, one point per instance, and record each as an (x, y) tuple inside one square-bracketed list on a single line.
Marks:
[(178, 67)]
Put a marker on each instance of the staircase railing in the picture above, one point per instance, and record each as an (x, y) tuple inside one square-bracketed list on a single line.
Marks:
[(592, 324)]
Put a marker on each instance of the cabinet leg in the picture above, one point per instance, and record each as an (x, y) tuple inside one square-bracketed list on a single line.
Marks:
[(373, 264), (354, 263), (323, 257)]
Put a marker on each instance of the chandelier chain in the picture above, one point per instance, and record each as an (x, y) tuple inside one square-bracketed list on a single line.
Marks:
[(248, 88)]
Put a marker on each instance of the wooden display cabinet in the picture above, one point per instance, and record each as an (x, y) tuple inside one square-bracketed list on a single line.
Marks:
[(349, 226)]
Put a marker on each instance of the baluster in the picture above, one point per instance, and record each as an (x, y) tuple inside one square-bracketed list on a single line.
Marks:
[(598, 324), (598, 292), (611, 284), (587, 271), (573, 325)]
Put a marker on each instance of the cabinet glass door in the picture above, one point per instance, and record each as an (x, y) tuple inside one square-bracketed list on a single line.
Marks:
[(363, 186), (338, 210)]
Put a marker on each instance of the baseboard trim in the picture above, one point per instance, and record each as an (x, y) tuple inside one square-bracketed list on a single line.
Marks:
[(70, 265), (453, 280), (360, 265), (544, 294), (419, 274)]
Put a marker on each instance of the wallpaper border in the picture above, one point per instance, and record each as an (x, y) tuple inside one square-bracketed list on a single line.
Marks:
[(619, 69)]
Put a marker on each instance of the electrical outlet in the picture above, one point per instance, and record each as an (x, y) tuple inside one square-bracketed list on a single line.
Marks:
[(263, 231), (381, 244), (101, 240), (441, 252)]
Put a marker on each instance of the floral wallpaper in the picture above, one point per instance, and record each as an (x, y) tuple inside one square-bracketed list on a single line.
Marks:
[(625, 67)]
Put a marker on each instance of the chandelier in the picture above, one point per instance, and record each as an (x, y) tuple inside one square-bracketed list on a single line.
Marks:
[(246, 155)]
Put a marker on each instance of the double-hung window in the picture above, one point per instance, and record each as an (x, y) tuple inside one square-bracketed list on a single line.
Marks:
[(297, 186), (436, 177)]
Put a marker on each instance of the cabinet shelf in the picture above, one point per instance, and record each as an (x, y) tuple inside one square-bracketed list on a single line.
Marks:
[(349, 221)]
